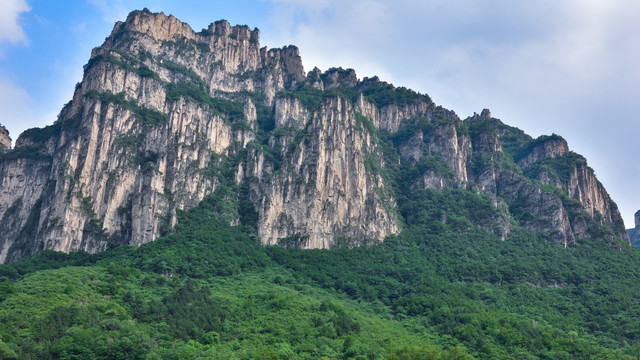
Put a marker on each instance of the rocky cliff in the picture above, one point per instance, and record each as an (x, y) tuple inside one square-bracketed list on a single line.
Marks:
[(634, 234), (5, 140), (166, 117)]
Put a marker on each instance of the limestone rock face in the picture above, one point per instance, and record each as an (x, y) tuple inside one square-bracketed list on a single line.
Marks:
[(576, 179), (140, 137), (325, 190), (290, 112), (548, 160), (166, 117), (5, 140), (584, 187), (389, 116), (546, 147), (22, 183)]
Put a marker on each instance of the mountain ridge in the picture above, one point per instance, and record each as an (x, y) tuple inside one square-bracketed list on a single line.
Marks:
[(165, 117)]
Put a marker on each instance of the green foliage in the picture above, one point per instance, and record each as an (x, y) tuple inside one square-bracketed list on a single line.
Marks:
[(309, 96), (42, 135), (409, 128), (25, 152), (446, 280), (189, 313), (444, 288), (296, 240), (526, 149), (264, 114), (69, 123), (233, 110), (383, 94), (560, 167), (149, 117), (366, 123), (512, 139), (125, 61), (188, 73)]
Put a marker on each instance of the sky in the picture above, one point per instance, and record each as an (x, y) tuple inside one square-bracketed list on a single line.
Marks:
[(568, 67)]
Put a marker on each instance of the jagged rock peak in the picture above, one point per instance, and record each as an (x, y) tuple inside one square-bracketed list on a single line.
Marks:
[(5, 140), (338, 77), (234, 49), (544, 147), (637, 218), (165, 28), (485, 114)]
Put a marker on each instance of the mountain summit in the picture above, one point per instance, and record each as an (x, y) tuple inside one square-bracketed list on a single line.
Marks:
[(165, 118)]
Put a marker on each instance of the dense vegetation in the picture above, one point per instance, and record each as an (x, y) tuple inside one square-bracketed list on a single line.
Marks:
[(444, 288), (436, 291)]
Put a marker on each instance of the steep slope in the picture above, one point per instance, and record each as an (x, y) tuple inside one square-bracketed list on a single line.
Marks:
[(165, 116)]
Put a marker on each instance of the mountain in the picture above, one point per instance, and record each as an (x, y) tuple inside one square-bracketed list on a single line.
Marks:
[(250, 211), (166, 117)]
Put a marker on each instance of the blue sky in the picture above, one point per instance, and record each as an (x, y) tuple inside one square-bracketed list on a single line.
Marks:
[(567, 67)]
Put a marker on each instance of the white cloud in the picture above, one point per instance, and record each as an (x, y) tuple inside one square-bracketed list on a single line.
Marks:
[(10, 30)]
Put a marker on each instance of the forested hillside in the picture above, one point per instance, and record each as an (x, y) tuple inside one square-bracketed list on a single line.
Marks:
[(210, 290)]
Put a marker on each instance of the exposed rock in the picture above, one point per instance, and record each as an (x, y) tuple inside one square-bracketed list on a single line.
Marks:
[(584, 187), (22, 183), (579, 183), (291, 112), (453, 146), (314, 77), (5, 140), (413, 149), (485, 114), (324, 190), (487, 143), (544, 147), (389, 117), (124, 155), (165, 117), (335, 78)]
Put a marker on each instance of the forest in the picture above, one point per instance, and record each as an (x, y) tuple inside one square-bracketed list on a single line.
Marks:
[(437, 290)]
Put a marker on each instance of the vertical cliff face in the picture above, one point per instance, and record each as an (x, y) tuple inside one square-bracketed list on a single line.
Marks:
[(141, 135), (5, 140), (548, 160), (22, 183), (388, 116), (545, 147), (328, 186), (576, 206), (166, 117)]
